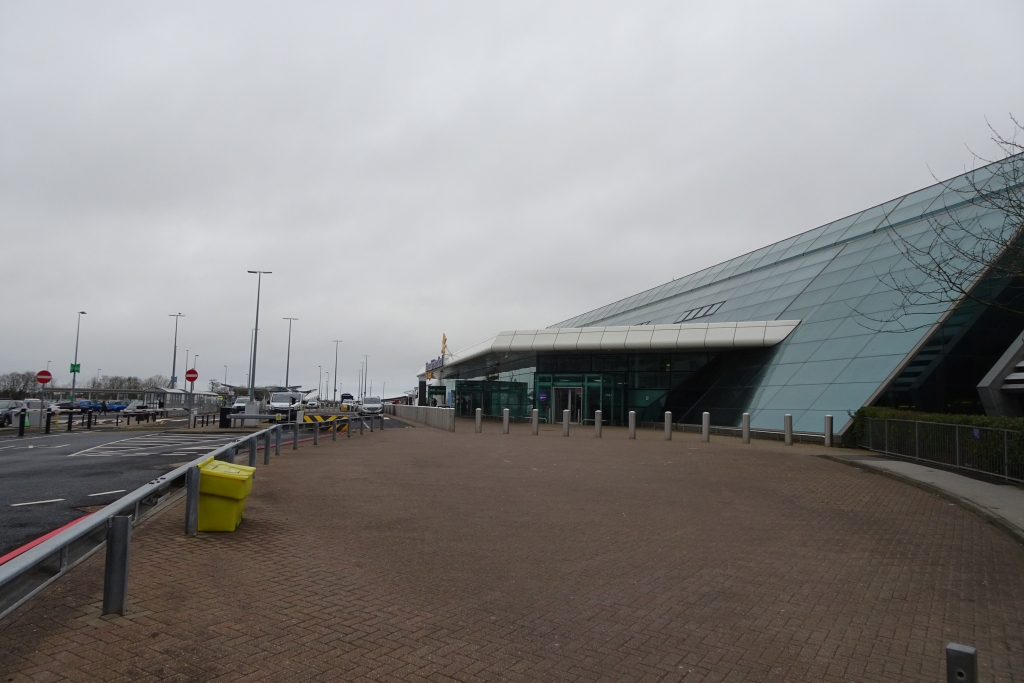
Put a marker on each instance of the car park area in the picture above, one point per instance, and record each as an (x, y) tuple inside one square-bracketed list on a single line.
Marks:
[(47, 481)]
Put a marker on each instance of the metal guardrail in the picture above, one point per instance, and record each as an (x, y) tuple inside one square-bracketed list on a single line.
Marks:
[(30, 572), (998, 452)]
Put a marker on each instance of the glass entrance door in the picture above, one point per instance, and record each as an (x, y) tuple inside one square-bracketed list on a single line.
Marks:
[(571, 399)]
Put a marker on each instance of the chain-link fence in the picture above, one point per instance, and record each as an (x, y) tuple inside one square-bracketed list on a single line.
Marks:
[(999, 452)]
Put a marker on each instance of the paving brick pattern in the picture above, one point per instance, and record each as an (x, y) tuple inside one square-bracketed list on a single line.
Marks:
[(420, 555)]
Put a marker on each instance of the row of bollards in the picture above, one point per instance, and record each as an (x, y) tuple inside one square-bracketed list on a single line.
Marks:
[(705, 429)]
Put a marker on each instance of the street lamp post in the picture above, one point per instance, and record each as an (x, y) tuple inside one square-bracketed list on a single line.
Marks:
[(255, 335), (319, 383), (225, 375), (288, 358), (174, 363), (366, 372), (335, 395), (74, 367)]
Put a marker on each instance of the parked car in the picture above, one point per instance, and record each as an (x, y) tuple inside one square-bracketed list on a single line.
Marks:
[(284, 402), (371, 405), (349, 405), (313, 403), (8, 410), (116, 406), (239, 405)]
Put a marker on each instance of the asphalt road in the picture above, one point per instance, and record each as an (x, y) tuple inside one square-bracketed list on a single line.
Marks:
[(47, 481)]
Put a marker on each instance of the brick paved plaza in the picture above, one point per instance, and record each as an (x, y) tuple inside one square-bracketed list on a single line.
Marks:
[(423, 555)]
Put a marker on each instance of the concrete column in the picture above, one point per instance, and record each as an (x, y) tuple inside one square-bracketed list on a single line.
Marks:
[(746, 427), (787, 428), (828, 431), (535, 421), (705, 427), (668, 425), (597, 424), (479, 420), (504, 421), (632, 424), (565, 423)]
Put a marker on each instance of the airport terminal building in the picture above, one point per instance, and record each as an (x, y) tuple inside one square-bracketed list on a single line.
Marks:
[(804, 326)]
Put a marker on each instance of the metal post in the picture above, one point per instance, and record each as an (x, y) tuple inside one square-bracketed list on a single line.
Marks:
[(192, 501), (316, 433), (746, 427), (632, 424), (535, 421), (479, 421), (1006, 455), (705, 428), (266, 447), (295, 437), (885, 425), (21, 422), (668, 425), (597, 424), (828, 431), (956, 433), (252, 451), (787, 428), (961, 663), (917, 441), (115, 574), (49, 414), (504, 421), (88, 425), (277, 439), (71, 420), (565, 423)]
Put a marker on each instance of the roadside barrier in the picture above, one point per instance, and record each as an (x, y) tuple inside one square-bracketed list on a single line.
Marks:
[(439, 418), (29, 572)]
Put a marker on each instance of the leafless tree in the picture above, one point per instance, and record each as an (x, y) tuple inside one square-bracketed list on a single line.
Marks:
[(17, 385), (973, 249)]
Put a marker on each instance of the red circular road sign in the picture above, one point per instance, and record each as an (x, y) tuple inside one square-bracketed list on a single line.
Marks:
[(43, 376), (191, 375)]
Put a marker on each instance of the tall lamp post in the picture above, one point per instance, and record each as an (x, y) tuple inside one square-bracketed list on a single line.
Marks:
[(335, 396), (255, 334), (174, 363), (288, 358), (319, 383), (366, 372), (74, 366)]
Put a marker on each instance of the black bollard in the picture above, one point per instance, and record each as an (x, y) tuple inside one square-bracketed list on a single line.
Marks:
[(21, 422), (88, 424), (115, 574), (49, 414), (71, 420)]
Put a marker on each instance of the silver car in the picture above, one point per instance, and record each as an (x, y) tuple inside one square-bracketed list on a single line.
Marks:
[(371, 405), (9, 410)]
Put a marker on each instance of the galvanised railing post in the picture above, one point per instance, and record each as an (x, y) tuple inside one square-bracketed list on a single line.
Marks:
[(885, 426), (1006, 454), (956, 435), (266, 447), (192, 501), (115, 572), (917, 441), (871, 434)]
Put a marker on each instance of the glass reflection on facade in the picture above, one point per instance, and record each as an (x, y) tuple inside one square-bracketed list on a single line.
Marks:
[(844, 354)]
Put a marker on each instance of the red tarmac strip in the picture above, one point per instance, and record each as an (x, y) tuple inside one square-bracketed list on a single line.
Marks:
[(32, 544)]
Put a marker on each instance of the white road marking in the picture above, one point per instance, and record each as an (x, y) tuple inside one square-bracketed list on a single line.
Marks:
[(37, 502), (107, 493)]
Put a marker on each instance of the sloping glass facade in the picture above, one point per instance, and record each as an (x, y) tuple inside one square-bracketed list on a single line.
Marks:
[(846, 352)]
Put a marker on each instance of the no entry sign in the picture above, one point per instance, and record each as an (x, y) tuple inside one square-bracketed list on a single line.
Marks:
[(43, 376), (191, 375)]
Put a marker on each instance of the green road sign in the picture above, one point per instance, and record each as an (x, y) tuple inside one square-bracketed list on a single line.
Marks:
[(76, 367)]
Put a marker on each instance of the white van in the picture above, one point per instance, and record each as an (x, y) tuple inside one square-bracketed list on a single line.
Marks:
[(284, 402)]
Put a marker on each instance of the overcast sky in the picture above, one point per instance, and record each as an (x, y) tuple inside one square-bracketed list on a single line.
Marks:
[(408, 169)]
